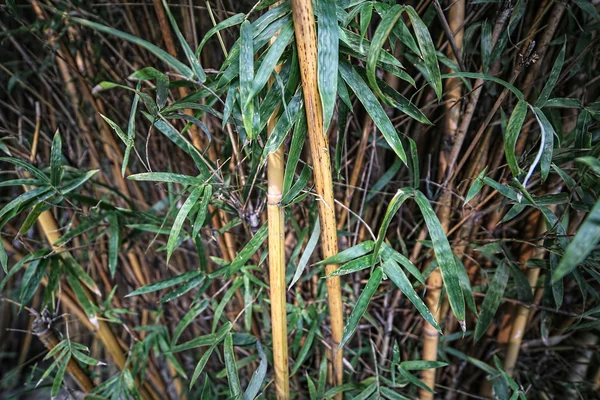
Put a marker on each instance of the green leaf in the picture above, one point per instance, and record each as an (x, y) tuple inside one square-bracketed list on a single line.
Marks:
[(186, 276), (162, 91), (271, 59), (183, 289), (194, 63), (395, 204), (547, 145), (353, 252), (395, 273), (231, 367), (237, 283), (212, 339), (202, 210), (180, 219), (414, 380), (328, 52), (374, 109), (157, 51), (444, 256), (259, 375), (512, 134), (246, 64), (585, 240), (32, 279), (227, 23), (492, 300), (310, 248), (485, 77), (114, 243), (290, 116), (361, 305), (166, 177), (130, 130), (552, 78), (33, 170), (201, 364), (298, 139), (60, 374), (358, 264), (75, 183), (249, 249), (475, 187), (388, 21), (421, 365), (56, 160), (290, 195), (188, 318), (427, 50)]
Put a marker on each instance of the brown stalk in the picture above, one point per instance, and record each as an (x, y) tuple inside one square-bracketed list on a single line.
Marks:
[(522, 313), (276, 221), (306, 42), (48, 338)]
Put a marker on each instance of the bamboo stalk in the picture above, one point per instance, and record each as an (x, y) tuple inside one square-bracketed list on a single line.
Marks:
[(49, 339), (522, 313), (276, 220), (306, 42)]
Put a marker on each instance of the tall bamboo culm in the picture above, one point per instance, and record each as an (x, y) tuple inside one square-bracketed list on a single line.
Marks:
[(275, 171), (306, 42)]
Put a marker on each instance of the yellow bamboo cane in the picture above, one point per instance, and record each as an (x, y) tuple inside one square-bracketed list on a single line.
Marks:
[(306, 42)]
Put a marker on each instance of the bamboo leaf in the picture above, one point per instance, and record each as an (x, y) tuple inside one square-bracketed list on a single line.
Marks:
[(246, 64), (183, 289), (227, 23), (259, 375), (270, 60), (552, 78), (388, 21), (369, 101), (114, 243), (475, 187), (358, 264), (353, 252), (60, 374), (328, 53), (427, 50), (186, 276), (191, 57), (361, 305), (230, 364), (56, 160), (180, 219), (237, 283), (202, 210), (201, 364), (547, 146), (249, 250), (492, 300), (393, 271), (310, 248), (585, 240), (512, 134), (395, 204), (157, 51), (166, 177), (444, 256)]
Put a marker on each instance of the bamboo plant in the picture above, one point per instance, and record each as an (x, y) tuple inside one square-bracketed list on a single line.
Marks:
[(449, 186)]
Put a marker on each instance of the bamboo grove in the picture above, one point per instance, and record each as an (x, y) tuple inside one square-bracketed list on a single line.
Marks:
[(299, 199)]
